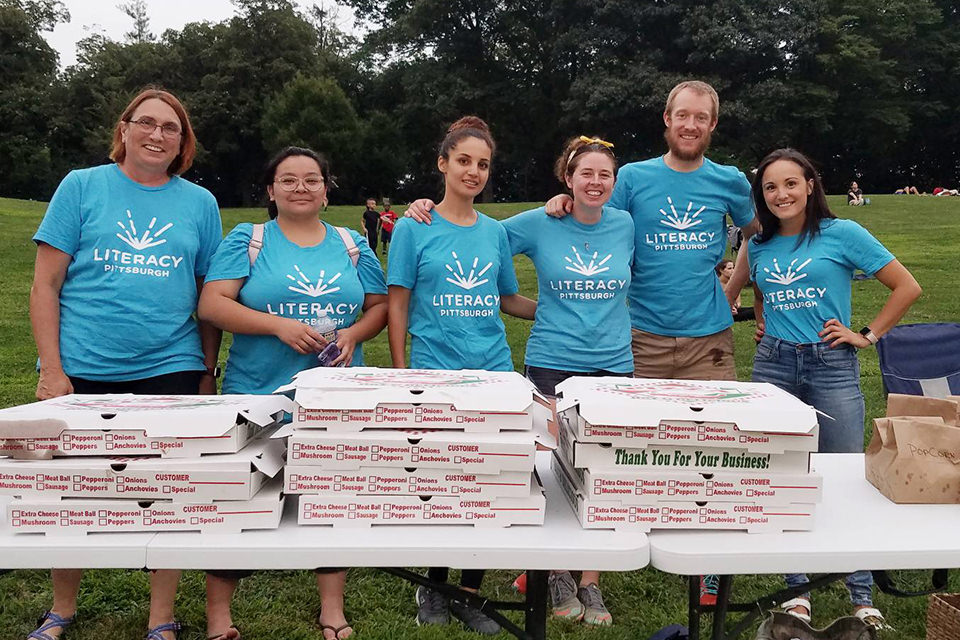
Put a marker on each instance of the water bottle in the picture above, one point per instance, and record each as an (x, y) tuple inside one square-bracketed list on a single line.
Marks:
[(327, 327)]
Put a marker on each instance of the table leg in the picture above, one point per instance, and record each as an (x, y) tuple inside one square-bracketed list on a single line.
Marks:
[(693, 608), (720, 610), (535, 623)]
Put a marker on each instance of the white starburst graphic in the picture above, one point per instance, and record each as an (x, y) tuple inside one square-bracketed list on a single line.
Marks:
[(591, 268), (467, 280), (674, 220), (792, 275), (307, 287), (149, 237)]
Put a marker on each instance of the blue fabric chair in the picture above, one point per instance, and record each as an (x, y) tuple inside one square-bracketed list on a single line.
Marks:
[(921, 359)]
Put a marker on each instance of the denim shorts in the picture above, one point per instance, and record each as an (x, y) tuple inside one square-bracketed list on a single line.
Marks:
[(826, 378)]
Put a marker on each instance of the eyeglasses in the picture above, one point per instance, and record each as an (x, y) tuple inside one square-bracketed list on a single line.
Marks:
[(290, 183), (148, 125)]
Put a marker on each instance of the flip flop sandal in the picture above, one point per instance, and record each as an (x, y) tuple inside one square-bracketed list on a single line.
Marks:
[(48, 621), (787, 607), (873, 617), (336, 630), (223, 636), (157, 632)]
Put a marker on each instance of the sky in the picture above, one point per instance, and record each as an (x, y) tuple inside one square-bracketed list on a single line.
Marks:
[(102, 16)]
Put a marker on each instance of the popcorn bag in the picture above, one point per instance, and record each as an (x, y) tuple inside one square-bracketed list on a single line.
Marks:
[(914, 454)]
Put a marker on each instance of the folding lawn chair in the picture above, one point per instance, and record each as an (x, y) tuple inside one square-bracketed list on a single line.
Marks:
[(921, 359)]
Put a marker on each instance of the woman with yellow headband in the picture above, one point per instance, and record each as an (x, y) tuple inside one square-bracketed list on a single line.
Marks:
[(582, 325)]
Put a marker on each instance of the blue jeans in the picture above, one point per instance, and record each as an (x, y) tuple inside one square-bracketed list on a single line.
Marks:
[(829, 380)]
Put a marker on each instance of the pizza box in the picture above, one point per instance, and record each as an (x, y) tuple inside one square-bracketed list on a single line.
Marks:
[(636, 412), (645, 486), (78, 516), (421, 449), (230, 476), (406, 481), (606, 457), (362, 511), (125, 424), (353, 398), (747, 516)]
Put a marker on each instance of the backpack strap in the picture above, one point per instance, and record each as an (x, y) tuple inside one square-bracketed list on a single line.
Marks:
[(352, 249), (256, 243)]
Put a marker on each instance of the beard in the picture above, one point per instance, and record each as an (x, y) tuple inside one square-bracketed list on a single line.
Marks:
[(673, 143)]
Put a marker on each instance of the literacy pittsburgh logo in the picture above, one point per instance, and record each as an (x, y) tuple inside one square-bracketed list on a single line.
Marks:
[(149, 237), (592, 268), (307, 287), (673, 219), (790, 276), (466, 280)]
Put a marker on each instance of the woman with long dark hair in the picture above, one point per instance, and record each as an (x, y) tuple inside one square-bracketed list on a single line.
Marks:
[(802, 264)]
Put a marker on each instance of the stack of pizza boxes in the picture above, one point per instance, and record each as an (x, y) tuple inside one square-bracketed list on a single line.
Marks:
[(106, 463), (404, 446), (649, 454)]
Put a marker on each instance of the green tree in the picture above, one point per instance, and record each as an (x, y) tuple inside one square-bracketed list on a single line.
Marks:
[(28, 69), (315, 113)]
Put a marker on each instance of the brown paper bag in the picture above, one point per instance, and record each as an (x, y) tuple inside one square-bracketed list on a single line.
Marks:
[(914, 454)]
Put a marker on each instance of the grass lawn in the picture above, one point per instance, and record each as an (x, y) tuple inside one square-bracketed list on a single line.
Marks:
[(924, 233)]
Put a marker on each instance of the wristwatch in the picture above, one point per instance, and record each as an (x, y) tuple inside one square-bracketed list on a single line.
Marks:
[(867, 333), (213, 371)]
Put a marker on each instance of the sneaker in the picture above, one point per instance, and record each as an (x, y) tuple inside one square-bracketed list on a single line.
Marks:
[(520, 584), (432, 607), (563, 595), (596, 613), (709, 585), (473, 618)]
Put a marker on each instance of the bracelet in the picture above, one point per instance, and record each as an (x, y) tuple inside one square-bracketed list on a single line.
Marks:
[(212, 371)]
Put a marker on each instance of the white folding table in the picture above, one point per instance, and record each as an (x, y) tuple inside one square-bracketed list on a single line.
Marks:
[(561, 543), (856, 528)]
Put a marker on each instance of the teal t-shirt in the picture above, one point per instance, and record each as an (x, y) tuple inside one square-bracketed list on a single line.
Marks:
[(456, 276), (127, 302), (583, 274), (804, 286), (680, 238), (297, 282)]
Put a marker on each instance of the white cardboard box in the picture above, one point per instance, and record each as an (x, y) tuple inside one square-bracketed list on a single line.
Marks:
[(363, 511), (105, 425), (400, 481), (350, 399), (748, 516), (78, 516), (231, 476), (640, 413), (603, 457), (470, 452)]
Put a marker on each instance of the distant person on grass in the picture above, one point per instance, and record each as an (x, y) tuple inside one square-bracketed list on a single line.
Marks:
[(112, 312), (855, 195), (801, 265), (908, 190), (268, 349), (370, 223), (430, 269), (387, 221), (740, 313)]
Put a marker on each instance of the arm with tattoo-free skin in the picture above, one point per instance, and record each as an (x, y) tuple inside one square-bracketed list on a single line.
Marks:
[(50, 270)]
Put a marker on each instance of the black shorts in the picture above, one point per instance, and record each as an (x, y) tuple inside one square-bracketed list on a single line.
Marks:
[(546, 380), (181, 383)]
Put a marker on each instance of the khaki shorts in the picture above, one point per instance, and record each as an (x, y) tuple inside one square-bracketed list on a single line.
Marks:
[(701, 358)]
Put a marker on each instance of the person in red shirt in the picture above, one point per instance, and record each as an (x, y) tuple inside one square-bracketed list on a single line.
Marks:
[(387, 219)]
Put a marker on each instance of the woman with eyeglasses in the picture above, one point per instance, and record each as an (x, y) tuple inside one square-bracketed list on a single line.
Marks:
[(121, 253), (274, 300)]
